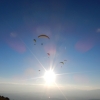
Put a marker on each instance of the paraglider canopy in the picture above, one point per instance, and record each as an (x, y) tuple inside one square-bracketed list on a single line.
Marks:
[(34, 40), (43, 36), (48, 54), (62, 63), (41, 43)]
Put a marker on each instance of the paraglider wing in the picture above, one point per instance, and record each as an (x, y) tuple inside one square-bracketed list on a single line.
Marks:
[(34, 40), (48, 54), (62, 63), (43, 36)]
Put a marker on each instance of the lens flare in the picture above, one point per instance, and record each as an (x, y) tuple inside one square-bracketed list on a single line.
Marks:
[(49, 77)]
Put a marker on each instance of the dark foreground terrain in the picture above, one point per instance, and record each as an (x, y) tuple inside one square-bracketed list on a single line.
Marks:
[(4, 98)]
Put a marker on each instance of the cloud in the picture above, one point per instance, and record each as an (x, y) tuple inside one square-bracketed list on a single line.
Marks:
[(98, 30)]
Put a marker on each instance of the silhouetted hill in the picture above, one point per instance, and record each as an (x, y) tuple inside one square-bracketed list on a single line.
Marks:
[(4, 98)]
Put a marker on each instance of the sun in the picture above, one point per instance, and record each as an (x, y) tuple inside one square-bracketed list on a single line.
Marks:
[(49, 77)]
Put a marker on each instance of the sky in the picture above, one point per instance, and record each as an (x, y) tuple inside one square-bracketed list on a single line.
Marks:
[(73, 27)]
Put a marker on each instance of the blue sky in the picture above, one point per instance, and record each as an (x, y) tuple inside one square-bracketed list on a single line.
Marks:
[(74, 31)]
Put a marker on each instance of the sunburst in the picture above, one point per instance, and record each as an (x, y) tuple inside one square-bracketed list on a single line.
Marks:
[(49, 75)]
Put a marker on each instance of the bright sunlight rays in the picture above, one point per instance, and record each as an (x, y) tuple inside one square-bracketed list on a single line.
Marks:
[(49, 77)]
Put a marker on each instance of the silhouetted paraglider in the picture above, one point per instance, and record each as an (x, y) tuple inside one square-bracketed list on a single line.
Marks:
[(48, 54), (41, 43), (62, 63), (43, 36), (34, 41)]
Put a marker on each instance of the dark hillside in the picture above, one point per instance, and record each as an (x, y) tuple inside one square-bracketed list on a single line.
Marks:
[(4, 98)]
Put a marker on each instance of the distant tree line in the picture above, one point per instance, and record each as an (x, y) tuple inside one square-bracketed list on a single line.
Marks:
[(4, 98)]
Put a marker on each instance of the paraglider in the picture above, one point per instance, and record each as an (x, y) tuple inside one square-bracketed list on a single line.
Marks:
[(34, 41), (62, 63), (39, 71), (48, 54), (41, 43), (43, 36)]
